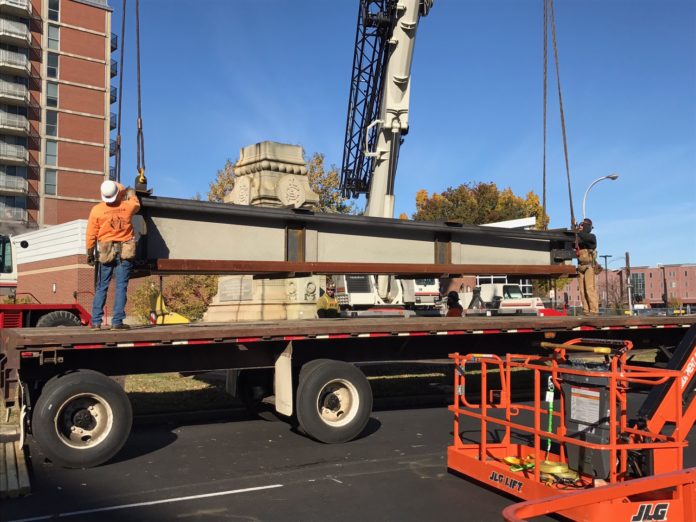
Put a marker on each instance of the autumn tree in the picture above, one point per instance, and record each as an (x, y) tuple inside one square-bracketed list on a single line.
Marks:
[(188, 295), (476, 204), (223, 184), (327, 183)]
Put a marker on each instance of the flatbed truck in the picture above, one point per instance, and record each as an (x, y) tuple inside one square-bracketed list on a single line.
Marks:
[(59, 378)]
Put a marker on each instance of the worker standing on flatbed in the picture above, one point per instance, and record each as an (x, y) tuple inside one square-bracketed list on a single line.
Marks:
[(328, 306), (587, 259), (110, 229)]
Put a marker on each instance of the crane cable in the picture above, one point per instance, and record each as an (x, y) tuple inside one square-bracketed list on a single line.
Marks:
[(549, 17), (141, 179), (120, 95)]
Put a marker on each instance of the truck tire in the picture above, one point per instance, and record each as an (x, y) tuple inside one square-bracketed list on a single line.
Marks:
[(334, 401), (82, 419), (58, 318)]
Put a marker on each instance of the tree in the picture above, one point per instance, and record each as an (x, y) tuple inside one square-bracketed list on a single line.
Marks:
[(223, 184), (476, 204), (188, 295), (327, 184)]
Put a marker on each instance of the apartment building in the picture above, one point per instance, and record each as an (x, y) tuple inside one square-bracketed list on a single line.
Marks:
[(56, 69)]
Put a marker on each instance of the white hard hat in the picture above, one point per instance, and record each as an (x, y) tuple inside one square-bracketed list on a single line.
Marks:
[(109, 191)]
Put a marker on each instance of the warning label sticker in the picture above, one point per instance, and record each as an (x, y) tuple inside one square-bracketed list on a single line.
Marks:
[(584, 405)]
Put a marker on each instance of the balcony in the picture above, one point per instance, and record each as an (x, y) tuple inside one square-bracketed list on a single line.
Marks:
[(114, 68), (13, 63), (113, 95), (11, 92), (114, 42), (13, 123), (16, 7), (112, 147), (13, 154), (14, 33), (13, 214), (13, 185), (113, 120)]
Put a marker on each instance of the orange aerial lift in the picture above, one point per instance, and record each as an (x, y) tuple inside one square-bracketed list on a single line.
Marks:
[(592, 446)]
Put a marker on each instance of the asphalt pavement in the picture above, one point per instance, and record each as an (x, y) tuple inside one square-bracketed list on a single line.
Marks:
[(250, 469)]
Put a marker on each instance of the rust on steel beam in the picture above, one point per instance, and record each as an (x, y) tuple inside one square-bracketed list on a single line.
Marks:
[(285, 268)]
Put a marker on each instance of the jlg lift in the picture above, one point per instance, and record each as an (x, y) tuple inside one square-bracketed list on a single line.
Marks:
[(587, 449)]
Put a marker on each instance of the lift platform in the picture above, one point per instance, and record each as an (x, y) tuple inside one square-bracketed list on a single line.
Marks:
[(589, 447)]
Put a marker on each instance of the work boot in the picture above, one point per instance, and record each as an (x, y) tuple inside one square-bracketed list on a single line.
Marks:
[(121, 326), (95, 327)]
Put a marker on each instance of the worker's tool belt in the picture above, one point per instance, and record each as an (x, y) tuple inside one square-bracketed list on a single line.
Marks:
[(108, 250), (128, 250), (586, 256)]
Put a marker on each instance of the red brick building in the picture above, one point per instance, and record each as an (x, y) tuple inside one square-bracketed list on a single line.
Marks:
[(55, 120)]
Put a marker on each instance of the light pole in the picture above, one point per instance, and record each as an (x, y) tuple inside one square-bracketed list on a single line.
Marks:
[(606, 283), (612, 177)]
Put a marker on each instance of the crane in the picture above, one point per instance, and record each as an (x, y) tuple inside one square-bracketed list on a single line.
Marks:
[(378, 110), (378, 106)]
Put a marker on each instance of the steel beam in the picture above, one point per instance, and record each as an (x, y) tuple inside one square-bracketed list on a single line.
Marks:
[(294, 269), (180, 235)]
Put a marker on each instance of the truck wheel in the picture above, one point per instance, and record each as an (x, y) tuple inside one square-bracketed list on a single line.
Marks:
[(334, 401), (58, 318), (82, 419)]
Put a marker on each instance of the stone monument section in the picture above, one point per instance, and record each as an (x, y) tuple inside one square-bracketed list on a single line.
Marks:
[(268, 174)]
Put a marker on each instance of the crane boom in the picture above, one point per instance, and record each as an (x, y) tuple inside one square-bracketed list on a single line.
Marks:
[(379, 101)]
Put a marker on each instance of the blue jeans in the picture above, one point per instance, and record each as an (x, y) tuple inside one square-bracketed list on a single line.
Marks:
[(123, 271)]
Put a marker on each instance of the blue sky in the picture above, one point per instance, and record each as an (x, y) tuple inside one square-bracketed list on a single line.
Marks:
[(221, 74)]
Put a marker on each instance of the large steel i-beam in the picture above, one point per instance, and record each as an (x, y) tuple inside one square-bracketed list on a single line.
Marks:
[(188, 236)]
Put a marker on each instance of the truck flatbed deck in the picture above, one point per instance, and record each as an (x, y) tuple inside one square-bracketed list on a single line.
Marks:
[(321, 329), (302, 368)]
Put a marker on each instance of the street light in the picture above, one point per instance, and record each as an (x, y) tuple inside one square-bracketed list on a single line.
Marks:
[(612, 177), (606, 282)]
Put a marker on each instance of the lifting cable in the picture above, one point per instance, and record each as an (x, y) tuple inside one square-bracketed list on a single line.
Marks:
[(550, 18), (141, 180), (120, 95)]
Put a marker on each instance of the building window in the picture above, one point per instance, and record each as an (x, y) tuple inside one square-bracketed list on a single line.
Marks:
[(686, 273), (650, 275), (51, 123), (51, 152), (50, 183), (53, 10), (52, 65), (51, 94), (53, 39)]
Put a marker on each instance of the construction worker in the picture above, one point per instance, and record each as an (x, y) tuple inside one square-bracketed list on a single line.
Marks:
[(454, 307), (110, 230), (587, 259), (327, 305)]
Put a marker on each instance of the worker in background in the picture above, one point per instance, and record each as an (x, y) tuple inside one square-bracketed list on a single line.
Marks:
[(587, 259), (327, 306), (110, 230), (454, 307)]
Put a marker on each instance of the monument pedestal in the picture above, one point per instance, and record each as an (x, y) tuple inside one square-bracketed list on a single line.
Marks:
[(268, 174)]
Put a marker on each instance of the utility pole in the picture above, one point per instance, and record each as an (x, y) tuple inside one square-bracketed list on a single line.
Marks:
[(665, 295), (628, 284), (606, 283)]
